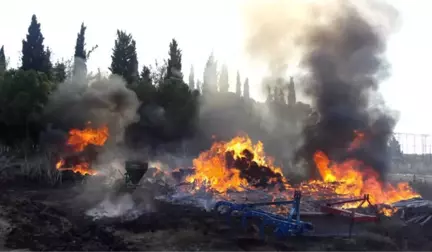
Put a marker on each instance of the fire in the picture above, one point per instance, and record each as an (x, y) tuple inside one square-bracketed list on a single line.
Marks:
[(211, 169), (78, 140), (83, 168), (353, 178), (350, 178)]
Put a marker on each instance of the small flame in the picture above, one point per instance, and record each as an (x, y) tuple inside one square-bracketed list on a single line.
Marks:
[(79, 139)]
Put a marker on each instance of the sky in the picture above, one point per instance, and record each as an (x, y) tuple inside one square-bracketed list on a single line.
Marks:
[(205, 26)]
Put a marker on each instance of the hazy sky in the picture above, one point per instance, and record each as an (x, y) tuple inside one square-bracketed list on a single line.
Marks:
[(201, 26)]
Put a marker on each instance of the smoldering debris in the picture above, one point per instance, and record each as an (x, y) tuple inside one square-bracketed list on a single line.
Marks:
[(124, 207)]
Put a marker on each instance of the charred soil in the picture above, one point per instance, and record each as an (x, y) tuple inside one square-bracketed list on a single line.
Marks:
[(54, 219)]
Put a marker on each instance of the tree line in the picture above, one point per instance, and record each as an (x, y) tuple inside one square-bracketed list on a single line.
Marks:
[(24, 90)]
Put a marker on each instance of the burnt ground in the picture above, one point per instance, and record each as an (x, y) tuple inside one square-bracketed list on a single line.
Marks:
[(53, 219)]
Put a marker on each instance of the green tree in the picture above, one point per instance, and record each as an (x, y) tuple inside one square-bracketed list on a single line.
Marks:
[(177, 99), (23, 95), (292, 100), (210, 76), (47, 65), (59, 72), (246, 89), (145, 90), (124, 58), (80, 55), (238, 84), (224, 79), (2, 60), (192, 79), (34, 56), (174, 65), (80, 50)]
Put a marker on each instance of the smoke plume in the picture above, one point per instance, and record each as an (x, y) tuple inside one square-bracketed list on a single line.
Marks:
[(103, 101), (341, 45)]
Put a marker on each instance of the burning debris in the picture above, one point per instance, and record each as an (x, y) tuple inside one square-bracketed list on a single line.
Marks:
[(235, 165), (239, 166)]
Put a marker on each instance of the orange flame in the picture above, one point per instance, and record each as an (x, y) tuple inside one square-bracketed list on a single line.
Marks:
[(350, 178), (78, 140), (354, 179), (211, 170)]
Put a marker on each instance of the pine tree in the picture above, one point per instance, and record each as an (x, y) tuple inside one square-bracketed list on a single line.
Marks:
[(223, 80), (246, 89), (238, 84), (2, 60), (210, 75), (192, 78), (174, 67), (291, 93), (124, 58), (34, 56)]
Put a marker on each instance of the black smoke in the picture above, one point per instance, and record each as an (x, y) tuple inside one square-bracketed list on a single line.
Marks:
[(346, 63)]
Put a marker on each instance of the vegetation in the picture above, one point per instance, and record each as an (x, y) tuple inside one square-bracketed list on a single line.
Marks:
[(191, 113)]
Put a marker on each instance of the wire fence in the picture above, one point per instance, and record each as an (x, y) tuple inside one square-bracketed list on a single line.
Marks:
[(420, 144)]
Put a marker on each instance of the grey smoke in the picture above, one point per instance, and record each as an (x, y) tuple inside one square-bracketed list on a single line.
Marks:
[(102, 101)]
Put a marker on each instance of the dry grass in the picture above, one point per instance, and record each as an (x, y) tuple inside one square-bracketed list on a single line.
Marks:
[(37, 168)]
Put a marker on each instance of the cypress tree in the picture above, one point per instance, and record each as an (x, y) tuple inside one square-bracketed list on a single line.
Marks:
[(2, 60), (238, 84), (223, 80), (124, 58), (291, 93), (34, 56), (174, 66), (210, 75), (80, 51), (192, 78), (246, 89)]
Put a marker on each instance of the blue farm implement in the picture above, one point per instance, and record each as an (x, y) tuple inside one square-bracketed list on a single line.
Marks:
[(282, 225)]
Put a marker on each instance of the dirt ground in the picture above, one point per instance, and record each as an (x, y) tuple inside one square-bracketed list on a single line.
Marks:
[(35, 218)]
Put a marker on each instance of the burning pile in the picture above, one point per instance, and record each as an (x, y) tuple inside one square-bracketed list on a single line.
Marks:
[(238, 165), (81, 144), (235, 166)]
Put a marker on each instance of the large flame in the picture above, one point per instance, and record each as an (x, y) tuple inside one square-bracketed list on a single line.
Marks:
[(355, 180), (349, 178), (78, 140), (212, 172)]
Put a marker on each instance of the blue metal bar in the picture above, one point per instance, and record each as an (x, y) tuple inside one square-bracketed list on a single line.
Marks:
[(284, 226)]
